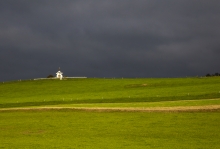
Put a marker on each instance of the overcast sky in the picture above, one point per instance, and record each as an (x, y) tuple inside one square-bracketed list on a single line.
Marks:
[(109, 38)]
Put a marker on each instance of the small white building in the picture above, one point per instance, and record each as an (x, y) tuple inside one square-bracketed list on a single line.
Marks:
[(59, 74)]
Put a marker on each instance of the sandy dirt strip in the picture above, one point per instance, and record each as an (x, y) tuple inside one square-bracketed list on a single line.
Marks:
[(141, 109)]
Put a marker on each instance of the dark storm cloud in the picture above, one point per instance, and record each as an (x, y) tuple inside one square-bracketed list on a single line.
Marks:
[(102, 38)]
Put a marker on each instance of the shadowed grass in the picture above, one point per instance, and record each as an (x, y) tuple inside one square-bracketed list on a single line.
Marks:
[(204, 102)]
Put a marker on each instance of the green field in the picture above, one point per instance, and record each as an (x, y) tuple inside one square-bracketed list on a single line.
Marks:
[(82, 128), (80, 91), (78, 129)]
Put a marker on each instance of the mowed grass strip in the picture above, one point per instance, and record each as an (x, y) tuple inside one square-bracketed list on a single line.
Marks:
[(181, 103), (83, 91), (88, 130)]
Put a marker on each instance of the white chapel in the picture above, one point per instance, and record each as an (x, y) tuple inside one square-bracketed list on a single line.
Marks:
[(59, 74)]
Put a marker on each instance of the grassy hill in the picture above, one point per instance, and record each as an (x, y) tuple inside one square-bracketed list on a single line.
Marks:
[(72, 91), (33, 124)]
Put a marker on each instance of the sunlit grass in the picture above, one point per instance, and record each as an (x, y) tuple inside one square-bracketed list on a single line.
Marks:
[(89, 91), (81, 129), (92, 130)]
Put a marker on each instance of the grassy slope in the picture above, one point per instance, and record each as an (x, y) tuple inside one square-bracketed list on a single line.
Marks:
[(78, 129), (179, 103), (52, 92)]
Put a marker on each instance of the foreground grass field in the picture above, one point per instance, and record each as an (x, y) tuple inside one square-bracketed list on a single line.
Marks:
[(56, 114), (82, 130)]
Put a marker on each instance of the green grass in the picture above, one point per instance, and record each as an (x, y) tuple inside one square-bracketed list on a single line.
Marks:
[(77, 91), (69, 128), (110, 130), (201, 102)]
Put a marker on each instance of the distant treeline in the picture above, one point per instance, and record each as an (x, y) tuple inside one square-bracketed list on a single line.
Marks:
[(215, 74)]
